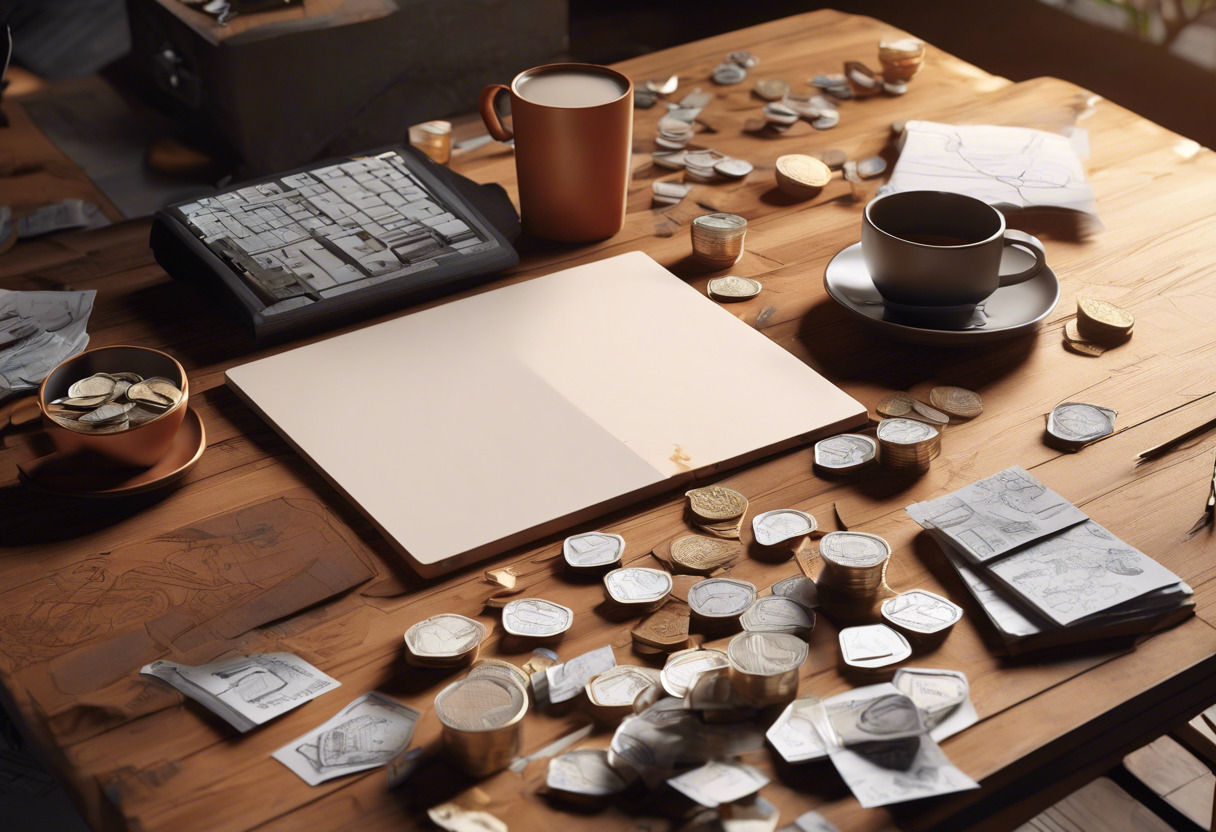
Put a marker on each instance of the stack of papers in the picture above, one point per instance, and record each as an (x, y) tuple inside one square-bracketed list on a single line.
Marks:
[(1043, 571)]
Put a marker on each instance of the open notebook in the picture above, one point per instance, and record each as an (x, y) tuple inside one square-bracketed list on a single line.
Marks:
[(490, 421)]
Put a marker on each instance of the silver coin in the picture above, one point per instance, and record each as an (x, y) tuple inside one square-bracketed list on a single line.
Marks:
[(720, 222), (536, 618), (934, 692), (734, 168), (894, 87), (444, 636), (593, 550), (845, 452), (670, 144), (673, 128), (826, 121), (620, 686), (688, 114), (674, 191), (686, 665), (921, 611), (774, 614), (733, 287), (585, 771), (721, 597), (743, 58), (482, 703), (672, 160), (1080, 422), (779, 113), (855, 549), (726, 74), (779, 525), (829, 80), (873, 646), (871, 166), (766, 654), (798, 588), (637, 585), (905, 431), (644, 99)]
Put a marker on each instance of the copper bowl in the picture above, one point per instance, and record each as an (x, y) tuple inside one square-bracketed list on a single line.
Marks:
[(138, 446)]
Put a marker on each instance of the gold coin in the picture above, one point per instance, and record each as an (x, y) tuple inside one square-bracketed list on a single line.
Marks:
[(957, 401), (702, 554), (802, 176), (1101, 317), (896, 404), (716, 503), (929, 414), (666, 628), (1074, 341)]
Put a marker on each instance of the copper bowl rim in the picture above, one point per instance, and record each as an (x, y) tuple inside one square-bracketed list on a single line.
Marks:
[(180, 402)]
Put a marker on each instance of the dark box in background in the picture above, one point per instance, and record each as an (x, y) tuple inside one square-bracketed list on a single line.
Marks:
[(336, 76)]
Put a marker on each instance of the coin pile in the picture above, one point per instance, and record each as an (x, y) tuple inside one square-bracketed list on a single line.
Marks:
[(774, 527), (816, 109), (613, 692), (901, 59), (775, 614), (717, 239), (637, 587), (779, 116), (445, 640), (481, 718), (733, 288), (717, 603), (686, 665), (907, 445), (801, 176), (593, 552), (536, 618), (664, 630), (674, 134), (923, 616), (872, 649), (764, 665), (1099, 325), (835, 84), (699, 555), (669, 193), (854, 564), (845, 453), (1073, 425), (114, 402)]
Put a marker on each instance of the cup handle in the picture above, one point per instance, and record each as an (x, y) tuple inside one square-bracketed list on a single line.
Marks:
[(1028, 243), (490, 116)]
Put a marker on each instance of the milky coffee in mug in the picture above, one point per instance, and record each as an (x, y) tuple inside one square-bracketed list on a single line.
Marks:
[(573, 131), (938, 249)]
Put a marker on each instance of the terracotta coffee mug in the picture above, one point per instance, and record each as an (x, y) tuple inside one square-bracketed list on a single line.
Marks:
[(573, 131)]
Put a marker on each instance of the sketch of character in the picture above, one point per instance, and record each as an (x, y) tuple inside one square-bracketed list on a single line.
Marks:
[(363, 740)]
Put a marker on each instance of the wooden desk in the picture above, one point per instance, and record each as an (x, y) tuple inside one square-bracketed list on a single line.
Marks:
[(89, 592)]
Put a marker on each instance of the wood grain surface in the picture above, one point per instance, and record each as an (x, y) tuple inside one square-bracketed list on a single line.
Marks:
[(91, 591)]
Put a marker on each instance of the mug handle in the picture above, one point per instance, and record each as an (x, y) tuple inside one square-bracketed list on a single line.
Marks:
[(1027, 243), (490, 116)]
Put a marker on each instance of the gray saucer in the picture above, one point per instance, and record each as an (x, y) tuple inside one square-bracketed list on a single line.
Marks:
[(1007, 313)]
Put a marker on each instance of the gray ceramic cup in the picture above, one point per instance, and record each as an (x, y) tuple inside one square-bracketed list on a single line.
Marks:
[(940, 250)]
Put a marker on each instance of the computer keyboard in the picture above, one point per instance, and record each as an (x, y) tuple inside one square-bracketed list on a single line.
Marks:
[(326, 236)]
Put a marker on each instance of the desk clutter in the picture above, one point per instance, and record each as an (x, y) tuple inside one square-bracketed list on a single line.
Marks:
[(699, 685)]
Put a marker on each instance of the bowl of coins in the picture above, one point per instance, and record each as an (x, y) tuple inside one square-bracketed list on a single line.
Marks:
[(123, 404)]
